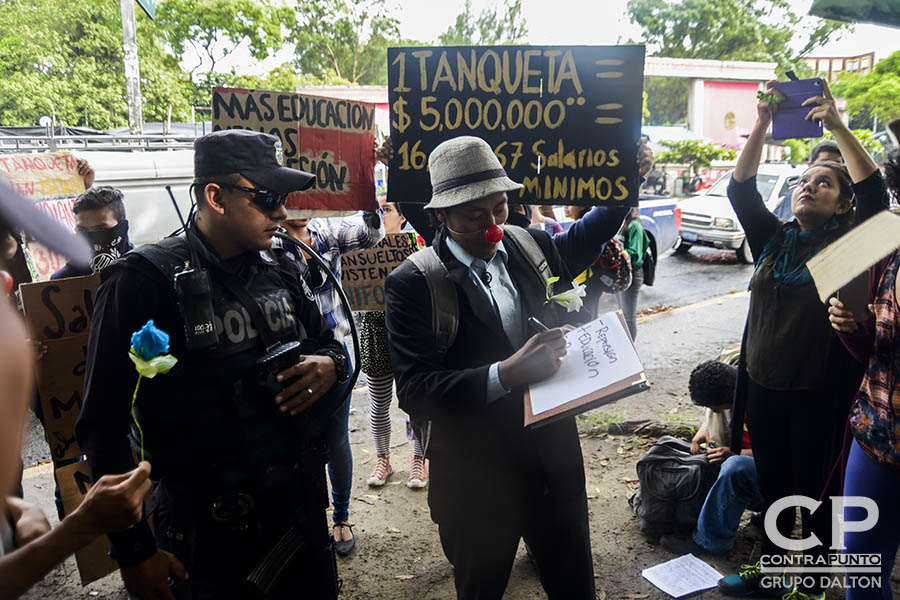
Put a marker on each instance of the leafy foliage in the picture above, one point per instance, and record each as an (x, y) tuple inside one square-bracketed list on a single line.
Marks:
[(695, 153), (756, 30), (347, 39), (873, 95), (799, 149), (66, 58), (213, 29), (493, 26)]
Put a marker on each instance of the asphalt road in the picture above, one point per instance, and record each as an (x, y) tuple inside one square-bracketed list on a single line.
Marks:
[(680, 280), (683, 279)]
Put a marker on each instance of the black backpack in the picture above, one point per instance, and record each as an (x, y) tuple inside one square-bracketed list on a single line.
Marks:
[(674, 484)]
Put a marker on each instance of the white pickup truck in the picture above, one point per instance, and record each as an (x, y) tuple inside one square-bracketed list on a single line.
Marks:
[(708, 219)]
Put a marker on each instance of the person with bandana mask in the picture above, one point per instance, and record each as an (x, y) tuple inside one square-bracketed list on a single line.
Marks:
[(100, 219)]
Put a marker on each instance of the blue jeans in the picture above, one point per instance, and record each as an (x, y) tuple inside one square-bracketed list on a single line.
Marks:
[(340, 459), (736, 488), (865, 477)]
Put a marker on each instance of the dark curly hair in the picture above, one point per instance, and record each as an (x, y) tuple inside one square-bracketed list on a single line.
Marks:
[(712, 383)]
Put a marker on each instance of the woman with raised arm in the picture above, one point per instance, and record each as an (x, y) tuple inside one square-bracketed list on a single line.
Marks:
[(796, 379)]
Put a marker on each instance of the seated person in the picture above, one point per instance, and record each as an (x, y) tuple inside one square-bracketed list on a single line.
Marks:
[(736, 488)]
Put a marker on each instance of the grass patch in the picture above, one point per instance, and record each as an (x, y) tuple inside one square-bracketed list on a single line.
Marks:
[(603, 418)]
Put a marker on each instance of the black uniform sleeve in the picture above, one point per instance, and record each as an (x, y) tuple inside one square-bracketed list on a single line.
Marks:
[(125, 301), (758, 222)]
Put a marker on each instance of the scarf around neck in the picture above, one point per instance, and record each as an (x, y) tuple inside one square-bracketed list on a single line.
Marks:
[(786, 267)]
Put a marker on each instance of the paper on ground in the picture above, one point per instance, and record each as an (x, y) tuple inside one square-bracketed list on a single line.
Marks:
[(682, 576), (853, 253), (598, 354)]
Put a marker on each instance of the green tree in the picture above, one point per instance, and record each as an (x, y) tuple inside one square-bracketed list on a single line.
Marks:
[(756, 30), (798, 150), (695, 153), (347, 39), (66, 58), (211, 30), (497, 26), (873, 95), (283, 78)]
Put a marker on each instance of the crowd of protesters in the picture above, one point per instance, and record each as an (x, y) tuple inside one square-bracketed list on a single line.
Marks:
[(811, 407)]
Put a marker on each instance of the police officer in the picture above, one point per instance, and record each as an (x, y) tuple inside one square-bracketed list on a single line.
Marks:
[(241, 496)]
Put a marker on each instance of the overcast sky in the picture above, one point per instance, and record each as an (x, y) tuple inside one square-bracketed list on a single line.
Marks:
[(596, 22)]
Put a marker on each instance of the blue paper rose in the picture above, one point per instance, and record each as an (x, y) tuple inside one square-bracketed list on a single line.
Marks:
[(150, 341)]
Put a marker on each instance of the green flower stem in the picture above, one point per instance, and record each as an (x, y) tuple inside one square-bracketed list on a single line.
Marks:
[(134, 416)]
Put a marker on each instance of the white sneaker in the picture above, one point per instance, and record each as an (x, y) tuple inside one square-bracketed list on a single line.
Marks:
[(381, 472), (418, 474)]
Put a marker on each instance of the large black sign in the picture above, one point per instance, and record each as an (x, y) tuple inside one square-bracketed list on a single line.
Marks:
[(563, 120)]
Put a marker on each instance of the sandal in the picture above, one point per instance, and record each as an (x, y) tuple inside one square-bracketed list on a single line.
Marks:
[(342, 546)]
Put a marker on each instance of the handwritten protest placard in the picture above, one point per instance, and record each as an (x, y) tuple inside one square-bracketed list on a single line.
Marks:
[(52, 180), (59, 314), (600, 366), (363, 272), (331, 138), (93, 560), (563, 120)]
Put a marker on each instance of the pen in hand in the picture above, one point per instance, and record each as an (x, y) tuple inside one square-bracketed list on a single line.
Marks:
[(537, 325)]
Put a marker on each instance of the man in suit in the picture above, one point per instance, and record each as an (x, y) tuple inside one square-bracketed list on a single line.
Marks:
[(492, 481)]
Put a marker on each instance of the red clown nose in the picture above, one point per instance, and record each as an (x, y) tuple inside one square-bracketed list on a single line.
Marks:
[(493, 234), (7, 281)]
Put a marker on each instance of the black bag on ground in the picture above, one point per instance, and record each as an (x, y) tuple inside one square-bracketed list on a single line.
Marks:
[(674, 484)]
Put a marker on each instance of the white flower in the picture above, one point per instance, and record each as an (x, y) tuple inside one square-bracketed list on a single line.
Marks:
[(571, 299)]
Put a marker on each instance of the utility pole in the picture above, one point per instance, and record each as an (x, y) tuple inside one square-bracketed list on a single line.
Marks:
[(132, 71)]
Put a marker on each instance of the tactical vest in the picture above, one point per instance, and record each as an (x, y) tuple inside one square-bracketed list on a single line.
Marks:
[(209, 422)]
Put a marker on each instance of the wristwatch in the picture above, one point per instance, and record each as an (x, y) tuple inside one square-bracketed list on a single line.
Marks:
[(341, 364)]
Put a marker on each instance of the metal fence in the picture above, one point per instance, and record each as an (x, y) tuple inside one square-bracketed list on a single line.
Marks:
[(128, 143)]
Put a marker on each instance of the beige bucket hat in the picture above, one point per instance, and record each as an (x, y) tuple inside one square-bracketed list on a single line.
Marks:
[(465, 169)]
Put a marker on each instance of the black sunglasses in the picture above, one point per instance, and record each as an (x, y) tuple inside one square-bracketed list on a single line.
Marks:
[(265, 199)]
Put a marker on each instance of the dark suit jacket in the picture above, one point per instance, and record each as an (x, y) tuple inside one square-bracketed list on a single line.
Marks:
[(482, 457)]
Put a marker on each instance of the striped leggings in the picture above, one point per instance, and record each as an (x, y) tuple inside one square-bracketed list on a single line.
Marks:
[(381, 392)]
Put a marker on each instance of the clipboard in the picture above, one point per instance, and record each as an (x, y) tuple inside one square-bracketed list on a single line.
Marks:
[(622, 388)]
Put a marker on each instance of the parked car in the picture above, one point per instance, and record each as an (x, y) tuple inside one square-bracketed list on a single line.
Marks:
[(709, 220)]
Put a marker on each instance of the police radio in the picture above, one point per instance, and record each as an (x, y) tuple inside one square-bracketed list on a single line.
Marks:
[(194, 293)]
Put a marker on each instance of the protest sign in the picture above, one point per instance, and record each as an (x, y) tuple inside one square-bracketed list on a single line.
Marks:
[(853, 253), (51, 179), (562, 120), (93, 560), (59, 314), (331, 138), (601, 365), (363, 272), (60, 308)]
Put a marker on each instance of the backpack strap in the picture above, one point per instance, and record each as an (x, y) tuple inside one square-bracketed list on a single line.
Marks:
[(531, 250), (444, 302)]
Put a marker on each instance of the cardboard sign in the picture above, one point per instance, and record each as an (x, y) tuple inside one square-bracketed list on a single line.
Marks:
[(363, 272), (563, 120), (93, 560), (60, 308), (52, 180), (331, 138), (59, 314), (853, 253)]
